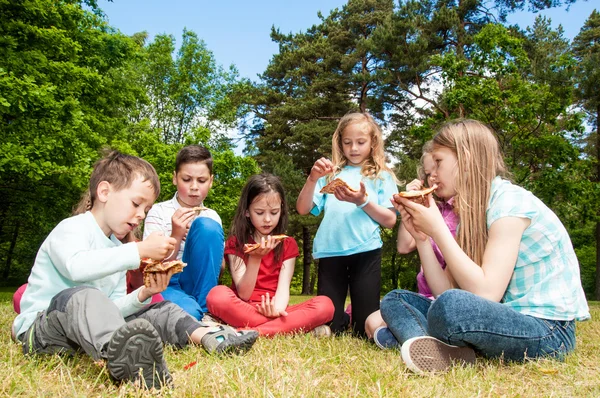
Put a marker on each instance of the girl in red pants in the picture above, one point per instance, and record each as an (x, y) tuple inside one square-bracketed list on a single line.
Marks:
[(259, 295)]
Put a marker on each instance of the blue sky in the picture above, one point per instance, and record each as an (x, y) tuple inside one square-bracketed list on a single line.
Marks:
[(237, 32)]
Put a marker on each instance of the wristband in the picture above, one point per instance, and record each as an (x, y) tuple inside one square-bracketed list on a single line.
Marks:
[(363, 205)]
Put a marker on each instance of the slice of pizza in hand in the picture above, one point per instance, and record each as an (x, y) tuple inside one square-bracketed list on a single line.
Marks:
[(199, 209), (333, 184), (250, 247), (419, 196), (149, 266)]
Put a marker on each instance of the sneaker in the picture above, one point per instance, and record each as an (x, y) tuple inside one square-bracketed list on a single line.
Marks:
[(224, 339), (321, 331), (426, 354), (384, 338), (135, 353)]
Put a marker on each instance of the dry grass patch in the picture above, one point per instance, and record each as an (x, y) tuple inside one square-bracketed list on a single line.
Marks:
[(303, 366)]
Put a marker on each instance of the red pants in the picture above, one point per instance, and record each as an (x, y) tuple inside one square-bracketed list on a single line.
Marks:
[(225, 304)]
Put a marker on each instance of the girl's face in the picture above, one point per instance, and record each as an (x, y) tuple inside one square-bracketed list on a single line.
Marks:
[(193, 181), (356, 143), (264, 212), (428, 167), (444, 172)]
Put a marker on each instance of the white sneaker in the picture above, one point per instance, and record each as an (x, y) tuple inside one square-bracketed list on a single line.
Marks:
[(426, 354), (321, 331)]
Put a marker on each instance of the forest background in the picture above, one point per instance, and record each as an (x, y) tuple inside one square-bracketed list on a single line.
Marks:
[(71, 86)]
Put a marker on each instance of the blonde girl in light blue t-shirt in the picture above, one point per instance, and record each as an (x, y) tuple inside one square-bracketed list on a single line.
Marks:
[(348, 242)]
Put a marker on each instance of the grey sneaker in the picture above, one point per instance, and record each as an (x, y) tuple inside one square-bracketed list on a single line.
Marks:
[(426, 354), (135, 352), (224, 339)]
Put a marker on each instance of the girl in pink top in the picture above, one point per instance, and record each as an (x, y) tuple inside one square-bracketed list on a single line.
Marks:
[(260, 293), (375, 325)]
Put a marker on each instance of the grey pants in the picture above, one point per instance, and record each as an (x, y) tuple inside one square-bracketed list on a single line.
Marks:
[(84, 319)]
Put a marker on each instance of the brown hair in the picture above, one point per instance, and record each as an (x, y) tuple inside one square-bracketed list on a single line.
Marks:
[(479, 162), (120, 171), (194, 154), (374, 164)]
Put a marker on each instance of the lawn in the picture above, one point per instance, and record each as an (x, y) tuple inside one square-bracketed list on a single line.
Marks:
[(303, 366)]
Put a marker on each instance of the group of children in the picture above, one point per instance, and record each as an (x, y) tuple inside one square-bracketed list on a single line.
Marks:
[(499, 275)]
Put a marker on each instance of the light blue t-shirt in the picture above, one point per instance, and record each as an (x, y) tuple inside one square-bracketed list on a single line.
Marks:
[(346, 229), (546, 281)]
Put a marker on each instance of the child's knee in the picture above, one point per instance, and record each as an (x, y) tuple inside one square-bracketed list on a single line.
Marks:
[(445, 312), (373, 322)]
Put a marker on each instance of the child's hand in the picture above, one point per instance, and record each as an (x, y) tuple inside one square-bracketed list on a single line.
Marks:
[(156, 246), (266, 245), (407, 221), (346, 195), (321, 168), (181, 222), (267, 308), (158, 283), (414, 185), (426, 220)]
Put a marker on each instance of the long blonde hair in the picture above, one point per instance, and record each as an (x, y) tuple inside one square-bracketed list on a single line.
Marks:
[(479, 161), (374, 164)]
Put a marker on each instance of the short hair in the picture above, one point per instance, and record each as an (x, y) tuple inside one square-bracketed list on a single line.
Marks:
[(194, 154), (120, 171)]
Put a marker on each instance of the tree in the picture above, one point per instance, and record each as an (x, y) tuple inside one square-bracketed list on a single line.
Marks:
[(60, 101), (586, 47), (187, 92)]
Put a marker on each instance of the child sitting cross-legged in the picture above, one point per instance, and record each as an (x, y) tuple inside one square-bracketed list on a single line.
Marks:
[(76, 295), (260, 293)]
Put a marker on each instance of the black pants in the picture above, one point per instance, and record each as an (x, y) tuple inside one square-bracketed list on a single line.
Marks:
[(361, 273)]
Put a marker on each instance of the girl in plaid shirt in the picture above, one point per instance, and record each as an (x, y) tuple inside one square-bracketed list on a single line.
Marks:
[(511, 287)]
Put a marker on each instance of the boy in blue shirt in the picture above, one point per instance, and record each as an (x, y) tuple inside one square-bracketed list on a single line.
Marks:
[(76, 296)]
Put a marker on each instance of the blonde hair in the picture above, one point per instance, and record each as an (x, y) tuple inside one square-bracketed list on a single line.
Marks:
[(374, 164), (427, 149), (479, 161)]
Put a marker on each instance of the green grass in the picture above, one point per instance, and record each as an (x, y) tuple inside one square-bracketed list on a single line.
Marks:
[(301, 365)]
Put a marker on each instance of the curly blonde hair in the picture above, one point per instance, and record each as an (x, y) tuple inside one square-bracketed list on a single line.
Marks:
[(374, 164)]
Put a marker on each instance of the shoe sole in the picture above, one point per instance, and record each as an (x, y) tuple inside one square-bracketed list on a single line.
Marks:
[(429, 355), (238, 344), (134, 346)]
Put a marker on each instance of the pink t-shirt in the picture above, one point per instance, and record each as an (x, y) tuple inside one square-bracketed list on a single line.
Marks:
[(451, 219)]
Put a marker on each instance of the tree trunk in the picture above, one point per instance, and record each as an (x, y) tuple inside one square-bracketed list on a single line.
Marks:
[(11, 250), (598, 211), (313, 279), (306, 249)]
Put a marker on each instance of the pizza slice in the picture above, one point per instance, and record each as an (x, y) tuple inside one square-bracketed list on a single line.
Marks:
[(199, 209), (149, 266), (418, 196), (333, 184), (250, 247)]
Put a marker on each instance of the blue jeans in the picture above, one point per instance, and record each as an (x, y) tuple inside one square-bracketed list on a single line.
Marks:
[(492, 329), (203, 253)]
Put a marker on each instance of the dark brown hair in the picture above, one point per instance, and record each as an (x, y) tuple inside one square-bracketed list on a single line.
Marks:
[(241, 227), (194, 154)]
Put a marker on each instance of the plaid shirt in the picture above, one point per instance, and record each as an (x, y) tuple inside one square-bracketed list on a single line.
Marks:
[(545, 282)]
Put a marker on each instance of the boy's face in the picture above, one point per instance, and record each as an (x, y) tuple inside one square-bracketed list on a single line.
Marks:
[(125, 209), (193, 181)]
